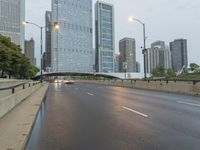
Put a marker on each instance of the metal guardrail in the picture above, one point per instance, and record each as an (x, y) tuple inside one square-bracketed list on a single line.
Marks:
[(12, 88), (194, 82)]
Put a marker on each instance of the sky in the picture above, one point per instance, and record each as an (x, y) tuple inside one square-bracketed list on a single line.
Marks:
[(165, 20)]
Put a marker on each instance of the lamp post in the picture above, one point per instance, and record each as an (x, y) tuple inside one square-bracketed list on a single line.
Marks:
[(125, 66), (55, 25), (131, 19)]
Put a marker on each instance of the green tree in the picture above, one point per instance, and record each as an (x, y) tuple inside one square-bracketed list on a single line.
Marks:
[(4, 59), (170, 73), (13, 62), (194, 66), (159, 71)]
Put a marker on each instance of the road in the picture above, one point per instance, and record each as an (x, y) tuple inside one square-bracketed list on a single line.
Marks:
[(95, 117)]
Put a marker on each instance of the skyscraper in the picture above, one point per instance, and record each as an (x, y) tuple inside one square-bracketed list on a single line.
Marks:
[(127, 49), (104, 36), (116, 62), (12, 14), (30, 50), (159, 55), (178, 49), (71, 49), (48, 25)]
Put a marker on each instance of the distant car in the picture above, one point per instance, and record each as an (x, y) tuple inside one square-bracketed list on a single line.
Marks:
[(58, 81), (68, 81)]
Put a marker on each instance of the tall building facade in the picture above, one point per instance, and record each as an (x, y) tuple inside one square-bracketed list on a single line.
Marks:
[(116, 62), (30, 50), (48, 24), (178, 49), (104, 36), (158, 55), (12, 14), (71, 49), (127, 49)]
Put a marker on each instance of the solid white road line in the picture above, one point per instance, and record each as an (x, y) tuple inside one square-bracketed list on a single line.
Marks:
[(90, 94), (134, 111), (187, 103)]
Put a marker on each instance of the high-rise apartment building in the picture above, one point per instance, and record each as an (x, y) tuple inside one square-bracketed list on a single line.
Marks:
[(48, 29), (71, 49), (30, 50), (12, 14), (104, 36), (178, 50), (158, 55), (127, 49)]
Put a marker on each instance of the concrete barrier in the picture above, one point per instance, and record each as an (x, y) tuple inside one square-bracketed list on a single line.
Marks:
[(7, 90), (9, 102), (183, 87), (12, 82)]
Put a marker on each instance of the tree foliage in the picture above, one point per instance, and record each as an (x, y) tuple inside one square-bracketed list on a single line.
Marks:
[(194, 66), (159, 71), (170, 73), (13, 62)]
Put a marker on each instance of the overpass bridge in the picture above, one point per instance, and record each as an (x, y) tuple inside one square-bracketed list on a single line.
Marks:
[(99, 74)]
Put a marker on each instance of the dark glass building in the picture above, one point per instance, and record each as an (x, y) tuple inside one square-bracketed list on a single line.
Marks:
[(178, 50)]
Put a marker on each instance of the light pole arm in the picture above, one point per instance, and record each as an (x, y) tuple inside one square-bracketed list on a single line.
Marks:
[(139, 21), (33, 24)]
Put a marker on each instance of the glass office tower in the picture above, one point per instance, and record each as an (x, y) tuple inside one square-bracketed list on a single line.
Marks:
[(12, 14), (71, 49), (104, 24)]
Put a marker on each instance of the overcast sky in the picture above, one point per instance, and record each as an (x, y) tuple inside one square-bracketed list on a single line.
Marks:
[(165, 20)]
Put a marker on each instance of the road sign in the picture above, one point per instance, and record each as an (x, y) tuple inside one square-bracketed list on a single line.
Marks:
[(125, 65)]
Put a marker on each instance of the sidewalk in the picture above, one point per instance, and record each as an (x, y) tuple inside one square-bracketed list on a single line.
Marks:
[(16, 126)]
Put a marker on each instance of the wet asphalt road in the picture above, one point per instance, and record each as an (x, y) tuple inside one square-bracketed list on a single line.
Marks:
[(95, 117)]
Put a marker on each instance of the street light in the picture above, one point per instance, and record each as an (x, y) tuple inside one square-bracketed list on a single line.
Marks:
[(131, 19), (125, 66), (55, 25)]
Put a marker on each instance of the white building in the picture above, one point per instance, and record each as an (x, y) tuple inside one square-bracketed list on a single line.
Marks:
[(12, 14), (158, 55), (72, 44)]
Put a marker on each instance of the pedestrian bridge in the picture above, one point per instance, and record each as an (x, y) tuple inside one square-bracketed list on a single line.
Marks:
[(105, 75)]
